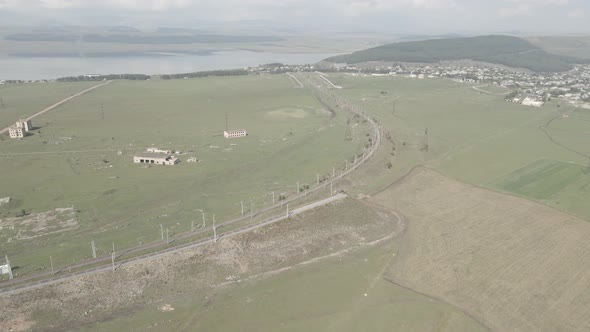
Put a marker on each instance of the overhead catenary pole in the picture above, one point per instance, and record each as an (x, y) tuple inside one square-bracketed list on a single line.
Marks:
[(113, 248), (242, 202), (162, 231), (9, 267), (167, 239), (51, 262), (93, 249), (214, 230), (203, 214)]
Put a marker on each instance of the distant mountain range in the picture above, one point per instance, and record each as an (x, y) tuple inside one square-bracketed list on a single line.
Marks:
[(496, 49)]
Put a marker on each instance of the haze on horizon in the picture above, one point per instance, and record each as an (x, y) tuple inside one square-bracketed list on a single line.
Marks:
[(532, 17)]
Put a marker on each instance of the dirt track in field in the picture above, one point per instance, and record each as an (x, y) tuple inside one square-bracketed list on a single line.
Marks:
[(513, 264)]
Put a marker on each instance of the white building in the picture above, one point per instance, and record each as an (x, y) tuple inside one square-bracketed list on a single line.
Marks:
[(156, 160), (27, 125), (528, 101), (158, 150), (16, 132), (235, 133)]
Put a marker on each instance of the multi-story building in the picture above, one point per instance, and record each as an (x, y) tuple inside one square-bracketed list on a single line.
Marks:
[(235, 133), (16, 132)]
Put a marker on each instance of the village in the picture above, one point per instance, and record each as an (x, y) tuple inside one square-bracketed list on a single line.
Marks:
[(528, 88)]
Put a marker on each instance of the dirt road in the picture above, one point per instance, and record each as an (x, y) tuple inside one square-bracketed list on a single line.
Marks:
[(59, 103)]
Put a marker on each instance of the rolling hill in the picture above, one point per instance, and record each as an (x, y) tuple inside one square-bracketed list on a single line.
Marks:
[(504, 50)]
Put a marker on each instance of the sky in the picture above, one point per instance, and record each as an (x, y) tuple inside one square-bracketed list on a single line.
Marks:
[(402, 16)]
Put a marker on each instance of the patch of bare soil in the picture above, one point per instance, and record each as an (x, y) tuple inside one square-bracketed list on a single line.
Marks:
[(38, 224), (160, 281), (513, 264)]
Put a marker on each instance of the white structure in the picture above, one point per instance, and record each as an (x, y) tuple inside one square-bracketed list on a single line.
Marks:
[(16, 132), (27, 125), (158, 150), (528, 101), (235, 133), (156, 160), (20, 129)]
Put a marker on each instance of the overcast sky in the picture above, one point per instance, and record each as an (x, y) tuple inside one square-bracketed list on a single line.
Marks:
[(406, 16)]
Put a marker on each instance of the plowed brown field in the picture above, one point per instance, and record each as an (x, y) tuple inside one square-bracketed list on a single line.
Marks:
[(513, 264)]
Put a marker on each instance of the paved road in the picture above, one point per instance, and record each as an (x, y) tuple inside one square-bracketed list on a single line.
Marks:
[(200, 243), (59, 103)]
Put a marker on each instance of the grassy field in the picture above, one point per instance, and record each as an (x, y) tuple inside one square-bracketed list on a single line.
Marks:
[(73, 160), (19, 101), (476, 137), (321, 297)]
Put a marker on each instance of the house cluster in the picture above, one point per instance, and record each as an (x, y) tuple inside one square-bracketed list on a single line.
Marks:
[(530, 89), (20, 129)]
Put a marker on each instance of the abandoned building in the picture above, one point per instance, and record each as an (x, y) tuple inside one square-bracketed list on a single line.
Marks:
[(20, 129), (27, 125), (235, 133), (16, 132), (156, 160)]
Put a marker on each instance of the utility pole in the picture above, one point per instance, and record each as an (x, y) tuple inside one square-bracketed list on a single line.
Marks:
[(113, 249), (162, 231), (242, 207), (192, 225), (102, 110), (9, 267), (51, 261), (331, 188), (298, 187), (113, 261), (214, 230), (251, 210), (93, 249), (167, 239), (287, 210), (333, 172), (317, 176), (346, 165), (203, 214), (273, 198)]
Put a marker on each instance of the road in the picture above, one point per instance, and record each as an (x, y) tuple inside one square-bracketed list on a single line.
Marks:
[(59, 103), (192, 245), (105, 261), (296, 80)]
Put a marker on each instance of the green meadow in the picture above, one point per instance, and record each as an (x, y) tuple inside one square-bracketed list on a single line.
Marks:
[(81, 156)]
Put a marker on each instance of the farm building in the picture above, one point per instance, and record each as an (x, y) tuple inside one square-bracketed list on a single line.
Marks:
[(235, 133), (16, 132), (156, 160)]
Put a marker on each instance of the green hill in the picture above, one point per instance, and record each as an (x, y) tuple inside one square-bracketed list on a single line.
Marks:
[(504, 50)]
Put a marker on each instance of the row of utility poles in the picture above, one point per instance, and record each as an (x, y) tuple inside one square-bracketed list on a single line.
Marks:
[(164, 232)]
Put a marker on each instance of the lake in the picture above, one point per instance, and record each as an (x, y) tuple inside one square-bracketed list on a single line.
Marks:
[(34, 68)]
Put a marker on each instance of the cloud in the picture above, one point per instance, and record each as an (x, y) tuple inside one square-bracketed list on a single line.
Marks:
[(408, 15)]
